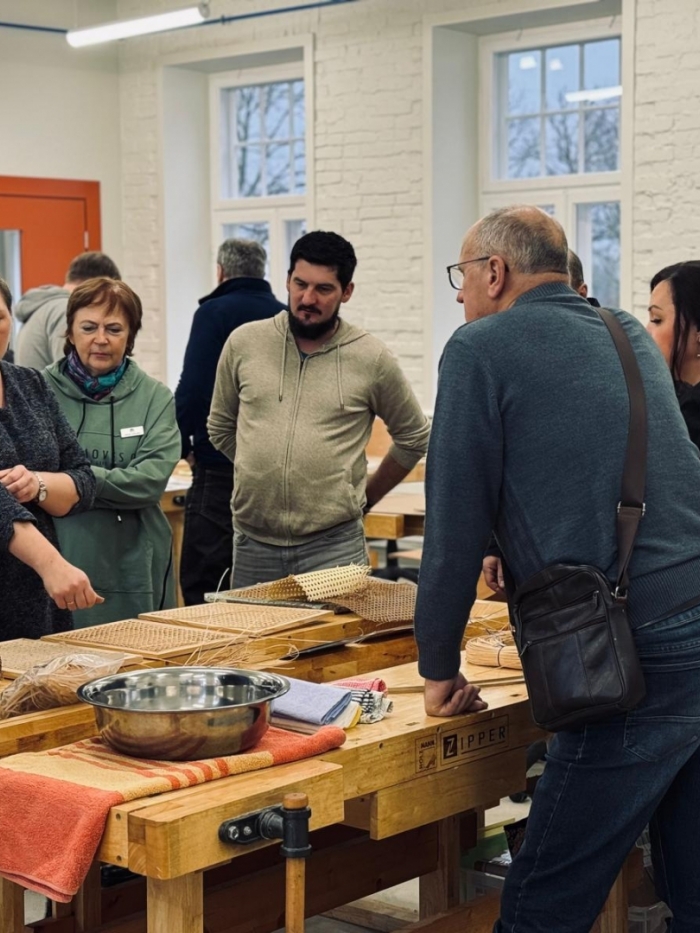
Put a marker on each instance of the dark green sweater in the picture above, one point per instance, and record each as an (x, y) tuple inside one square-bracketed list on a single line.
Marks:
[(528, 439)]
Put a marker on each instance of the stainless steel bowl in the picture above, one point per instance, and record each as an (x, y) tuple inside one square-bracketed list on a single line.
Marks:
[(183, 713)]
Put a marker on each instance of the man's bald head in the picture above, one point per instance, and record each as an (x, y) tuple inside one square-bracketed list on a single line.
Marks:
[(507, 253), (530, 241)]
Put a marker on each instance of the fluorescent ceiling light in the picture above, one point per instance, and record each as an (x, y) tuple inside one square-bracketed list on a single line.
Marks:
[(176, 19), (527, 62), (556, 65), (600, 93)]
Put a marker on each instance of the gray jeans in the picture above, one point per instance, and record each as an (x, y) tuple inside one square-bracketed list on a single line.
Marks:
[(255, 562)]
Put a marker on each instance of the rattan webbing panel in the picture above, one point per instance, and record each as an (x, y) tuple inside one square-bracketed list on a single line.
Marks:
[(150, 639), (243, 618), (20, 654)]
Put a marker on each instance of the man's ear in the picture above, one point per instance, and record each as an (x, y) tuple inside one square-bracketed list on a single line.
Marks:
[(583, 290), (219, 273), (497, 275), (347, 292)]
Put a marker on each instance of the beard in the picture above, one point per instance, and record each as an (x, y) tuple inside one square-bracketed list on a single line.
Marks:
[(312, 331)]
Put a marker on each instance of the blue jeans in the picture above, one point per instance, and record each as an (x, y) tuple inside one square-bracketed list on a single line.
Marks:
[(255, 562), (603, 784)]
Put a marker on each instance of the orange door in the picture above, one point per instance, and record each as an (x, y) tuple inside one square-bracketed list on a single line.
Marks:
[(56, 220)]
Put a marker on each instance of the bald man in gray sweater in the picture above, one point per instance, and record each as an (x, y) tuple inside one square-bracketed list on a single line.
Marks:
[(529, 438)]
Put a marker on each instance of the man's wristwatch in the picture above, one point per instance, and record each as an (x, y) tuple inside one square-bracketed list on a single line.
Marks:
[(43, 491)]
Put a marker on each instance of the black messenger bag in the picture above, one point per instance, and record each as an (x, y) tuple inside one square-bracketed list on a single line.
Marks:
[(570, 624)]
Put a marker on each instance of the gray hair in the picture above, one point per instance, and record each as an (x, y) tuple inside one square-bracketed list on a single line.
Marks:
[(242, 258), (527, 238)]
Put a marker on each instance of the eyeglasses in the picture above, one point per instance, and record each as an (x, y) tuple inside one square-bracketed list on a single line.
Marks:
[(455, 273)]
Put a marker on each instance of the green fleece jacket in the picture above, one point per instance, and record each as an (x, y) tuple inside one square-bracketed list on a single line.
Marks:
[(124, 544), (296, 428)]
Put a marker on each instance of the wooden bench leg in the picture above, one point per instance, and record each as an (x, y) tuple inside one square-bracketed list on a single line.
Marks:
[(88, 901), (439, 891), (176, 905), (11, 907)]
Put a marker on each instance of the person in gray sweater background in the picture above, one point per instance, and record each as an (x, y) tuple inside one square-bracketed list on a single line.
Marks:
[(528, 438), (42, 311)]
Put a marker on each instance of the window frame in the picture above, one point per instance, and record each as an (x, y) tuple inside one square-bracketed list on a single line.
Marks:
[(294, 71), (490, 151), (273, 210)]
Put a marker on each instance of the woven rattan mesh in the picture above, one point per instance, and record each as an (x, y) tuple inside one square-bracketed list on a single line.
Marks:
[(332, 582), (382, 601), (318, 586), (20, 654), (155, 639), (239, 617)]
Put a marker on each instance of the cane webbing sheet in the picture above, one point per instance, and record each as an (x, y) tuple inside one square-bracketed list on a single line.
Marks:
[(317, 586), (243, 618), (151, 639), (20, 654), (382, 601)]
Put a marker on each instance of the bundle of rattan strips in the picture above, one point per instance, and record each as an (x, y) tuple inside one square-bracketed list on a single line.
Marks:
[(493, 651)]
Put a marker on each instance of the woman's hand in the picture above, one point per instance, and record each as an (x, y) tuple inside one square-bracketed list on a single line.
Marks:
[(20, 482), (450, 697), (69, 587)]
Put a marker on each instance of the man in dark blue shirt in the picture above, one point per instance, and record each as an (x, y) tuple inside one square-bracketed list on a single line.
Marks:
[(242, 295), (528, 438)]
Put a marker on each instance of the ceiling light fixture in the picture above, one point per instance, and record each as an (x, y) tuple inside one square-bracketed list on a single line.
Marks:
[(176, 19)]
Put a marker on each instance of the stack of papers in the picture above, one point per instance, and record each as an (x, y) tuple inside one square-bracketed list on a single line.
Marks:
[(306, 707)]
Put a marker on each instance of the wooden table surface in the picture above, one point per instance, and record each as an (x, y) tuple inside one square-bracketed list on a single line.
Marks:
[(393, 803), (398, 515), (408, 772)]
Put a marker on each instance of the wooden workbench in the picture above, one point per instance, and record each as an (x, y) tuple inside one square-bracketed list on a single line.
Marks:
[(388, 799), (397, 801), (398, 515)]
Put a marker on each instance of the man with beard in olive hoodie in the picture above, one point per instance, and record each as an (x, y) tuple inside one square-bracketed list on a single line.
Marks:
[(293, 407), (42, 311)]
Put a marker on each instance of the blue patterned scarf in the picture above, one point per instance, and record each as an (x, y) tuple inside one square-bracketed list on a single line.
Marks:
[(96, 387)]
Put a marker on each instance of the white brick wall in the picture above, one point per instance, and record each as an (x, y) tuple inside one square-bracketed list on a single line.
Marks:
[(666, 199), (369, 148), (368, 153)]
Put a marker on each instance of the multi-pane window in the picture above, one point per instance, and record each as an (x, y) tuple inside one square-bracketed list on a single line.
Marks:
[(598, 242), (559, 110), (262, 134), (259, 167)]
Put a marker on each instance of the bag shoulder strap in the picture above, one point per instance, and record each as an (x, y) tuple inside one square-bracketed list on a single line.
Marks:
[(630, 508)]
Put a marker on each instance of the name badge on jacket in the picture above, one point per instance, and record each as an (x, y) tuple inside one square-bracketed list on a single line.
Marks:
[(132, 432)]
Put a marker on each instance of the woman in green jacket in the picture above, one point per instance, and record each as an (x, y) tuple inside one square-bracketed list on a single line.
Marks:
[(125, 422)]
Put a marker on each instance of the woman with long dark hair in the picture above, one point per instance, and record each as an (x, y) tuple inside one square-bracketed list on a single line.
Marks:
[(674, 323)]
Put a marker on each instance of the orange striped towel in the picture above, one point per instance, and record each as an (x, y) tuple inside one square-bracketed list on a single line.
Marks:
[(54, 804)]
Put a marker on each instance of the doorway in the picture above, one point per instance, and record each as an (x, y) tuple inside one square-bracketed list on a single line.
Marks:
[(52, 221)]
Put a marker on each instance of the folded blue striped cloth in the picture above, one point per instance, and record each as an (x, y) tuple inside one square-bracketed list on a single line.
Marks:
[(316, 703)]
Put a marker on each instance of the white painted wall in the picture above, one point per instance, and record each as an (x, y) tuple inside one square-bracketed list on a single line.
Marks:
[(189, 271), (453, 199), (665, 193), (60, 106), (379, 175)]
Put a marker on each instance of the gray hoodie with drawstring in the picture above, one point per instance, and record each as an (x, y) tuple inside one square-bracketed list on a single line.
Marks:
[(296, 427), (42, 313)]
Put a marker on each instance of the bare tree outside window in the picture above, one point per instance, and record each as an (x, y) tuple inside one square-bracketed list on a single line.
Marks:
[(562, 110), (262, 140)]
